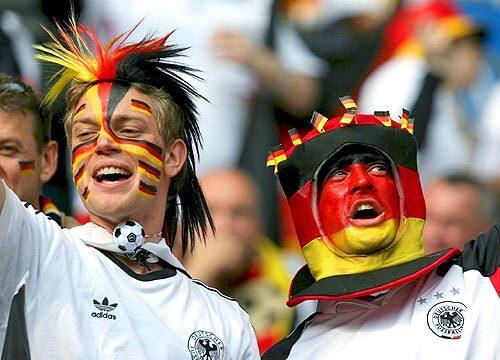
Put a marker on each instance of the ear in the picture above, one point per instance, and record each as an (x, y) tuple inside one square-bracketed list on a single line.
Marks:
[(176, 157), (48, 161)]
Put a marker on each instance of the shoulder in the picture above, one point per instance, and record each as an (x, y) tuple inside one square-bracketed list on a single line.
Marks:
[(213, 298)]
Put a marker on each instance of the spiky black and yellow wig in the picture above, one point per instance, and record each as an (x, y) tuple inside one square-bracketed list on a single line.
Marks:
[(83, 58)]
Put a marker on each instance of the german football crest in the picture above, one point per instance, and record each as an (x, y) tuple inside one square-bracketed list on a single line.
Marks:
[(446, 319), (204, 345)]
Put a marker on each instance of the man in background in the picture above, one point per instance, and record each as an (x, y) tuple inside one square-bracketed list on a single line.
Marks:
[(458, 208), (28, 157), (240, 261)]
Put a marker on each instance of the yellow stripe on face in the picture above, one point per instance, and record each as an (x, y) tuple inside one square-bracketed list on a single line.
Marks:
[(137, 150), (80, 158), (406, 246), (84, 176), (144, 111), (150, 176), (147, 196), (94, 101)]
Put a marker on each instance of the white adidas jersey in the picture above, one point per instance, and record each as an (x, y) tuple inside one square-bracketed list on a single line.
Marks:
[(456, 317), (80, 303), (451, 312)]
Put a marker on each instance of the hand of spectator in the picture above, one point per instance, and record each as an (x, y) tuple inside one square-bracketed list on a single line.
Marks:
[(234, 47), (435, 43)]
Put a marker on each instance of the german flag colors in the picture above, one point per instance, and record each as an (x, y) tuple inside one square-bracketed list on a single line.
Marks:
[(318, 121), (137, 105), (149, 171), (270, 159), (411, 121), (348, 103), (278, 154), (384, 117), (27, 167), (347, 118), (148, 191), (405, 116), (294, 135)]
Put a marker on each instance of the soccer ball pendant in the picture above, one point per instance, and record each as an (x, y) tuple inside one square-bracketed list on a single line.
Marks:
[(129, 236)]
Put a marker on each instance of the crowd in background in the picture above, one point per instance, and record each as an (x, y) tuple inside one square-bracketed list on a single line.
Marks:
[(266, 66)]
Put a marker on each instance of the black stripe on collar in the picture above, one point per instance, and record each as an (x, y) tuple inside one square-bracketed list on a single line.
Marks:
[(167, 272), (340, 287)]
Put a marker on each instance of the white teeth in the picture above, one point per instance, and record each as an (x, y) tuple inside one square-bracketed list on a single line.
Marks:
[(111, 170), (365, 207)]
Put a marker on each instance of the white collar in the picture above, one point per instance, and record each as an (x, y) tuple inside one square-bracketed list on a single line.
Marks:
[(95, 236)]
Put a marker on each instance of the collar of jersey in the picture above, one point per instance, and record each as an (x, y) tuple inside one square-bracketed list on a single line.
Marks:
[(341, 287), (95, 236)]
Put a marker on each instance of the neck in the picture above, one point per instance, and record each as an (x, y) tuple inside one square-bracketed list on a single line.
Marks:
[(151, 228)]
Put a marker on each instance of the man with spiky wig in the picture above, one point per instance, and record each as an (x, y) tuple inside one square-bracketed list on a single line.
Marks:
[(354, 193), (132, 128)]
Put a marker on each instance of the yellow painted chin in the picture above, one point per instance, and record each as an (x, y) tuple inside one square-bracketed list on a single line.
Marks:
[(356, 240), (324, 259)]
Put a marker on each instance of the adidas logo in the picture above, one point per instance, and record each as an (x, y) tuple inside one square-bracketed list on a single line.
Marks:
[(105, 307)]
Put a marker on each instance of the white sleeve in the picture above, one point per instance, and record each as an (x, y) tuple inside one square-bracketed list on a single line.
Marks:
[(396, 84), (294, 54), (249, 349), (27, 238)]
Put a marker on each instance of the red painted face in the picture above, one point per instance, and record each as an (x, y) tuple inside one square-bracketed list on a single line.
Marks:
[(359, 196)]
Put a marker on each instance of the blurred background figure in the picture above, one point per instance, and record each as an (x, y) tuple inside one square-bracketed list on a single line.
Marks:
[(441, 57), (240, 261), (458, 208), (28, 156)]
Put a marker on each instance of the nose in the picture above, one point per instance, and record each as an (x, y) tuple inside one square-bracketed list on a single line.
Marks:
[(105, 144), (359, 180)]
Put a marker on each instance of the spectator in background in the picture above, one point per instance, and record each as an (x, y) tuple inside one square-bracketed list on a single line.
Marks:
[(240, 261), (28, 158), (458, 208), (442, 57)]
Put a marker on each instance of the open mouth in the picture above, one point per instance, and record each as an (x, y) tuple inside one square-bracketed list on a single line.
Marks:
[(111, 174), (366, 213)]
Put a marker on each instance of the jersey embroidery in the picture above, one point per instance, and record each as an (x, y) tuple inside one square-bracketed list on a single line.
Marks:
[(446, 319), (204, 345), (105, 309)]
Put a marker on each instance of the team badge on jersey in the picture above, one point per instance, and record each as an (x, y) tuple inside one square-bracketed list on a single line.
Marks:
[(204, 345), (446, 319)]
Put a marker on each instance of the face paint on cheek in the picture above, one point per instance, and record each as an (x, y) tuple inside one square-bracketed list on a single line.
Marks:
[(148, 171), (27, 167), (361, 213), (148, 191), (86, 194)]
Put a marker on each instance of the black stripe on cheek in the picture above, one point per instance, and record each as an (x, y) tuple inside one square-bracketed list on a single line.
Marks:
[(79, 146), (148, 187)]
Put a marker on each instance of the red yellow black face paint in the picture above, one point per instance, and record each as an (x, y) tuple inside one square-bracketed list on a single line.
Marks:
[(101, 100), (27, 167), (360, 199), (137, 105)]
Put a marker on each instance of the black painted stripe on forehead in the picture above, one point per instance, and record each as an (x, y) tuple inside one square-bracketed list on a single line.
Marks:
[(116, 95), (303, 163)]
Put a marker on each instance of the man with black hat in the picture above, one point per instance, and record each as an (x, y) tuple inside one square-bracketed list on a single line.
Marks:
[(355, 196)]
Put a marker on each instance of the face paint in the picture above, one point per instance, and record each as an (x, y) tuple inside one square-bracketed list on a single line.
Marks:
[(359, 208), (27, 167), (137, 105), (102, 100)]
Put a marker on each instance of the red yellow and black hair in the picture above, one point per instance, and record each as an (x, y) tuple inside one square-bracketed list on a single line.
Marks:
[(83, 58)]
